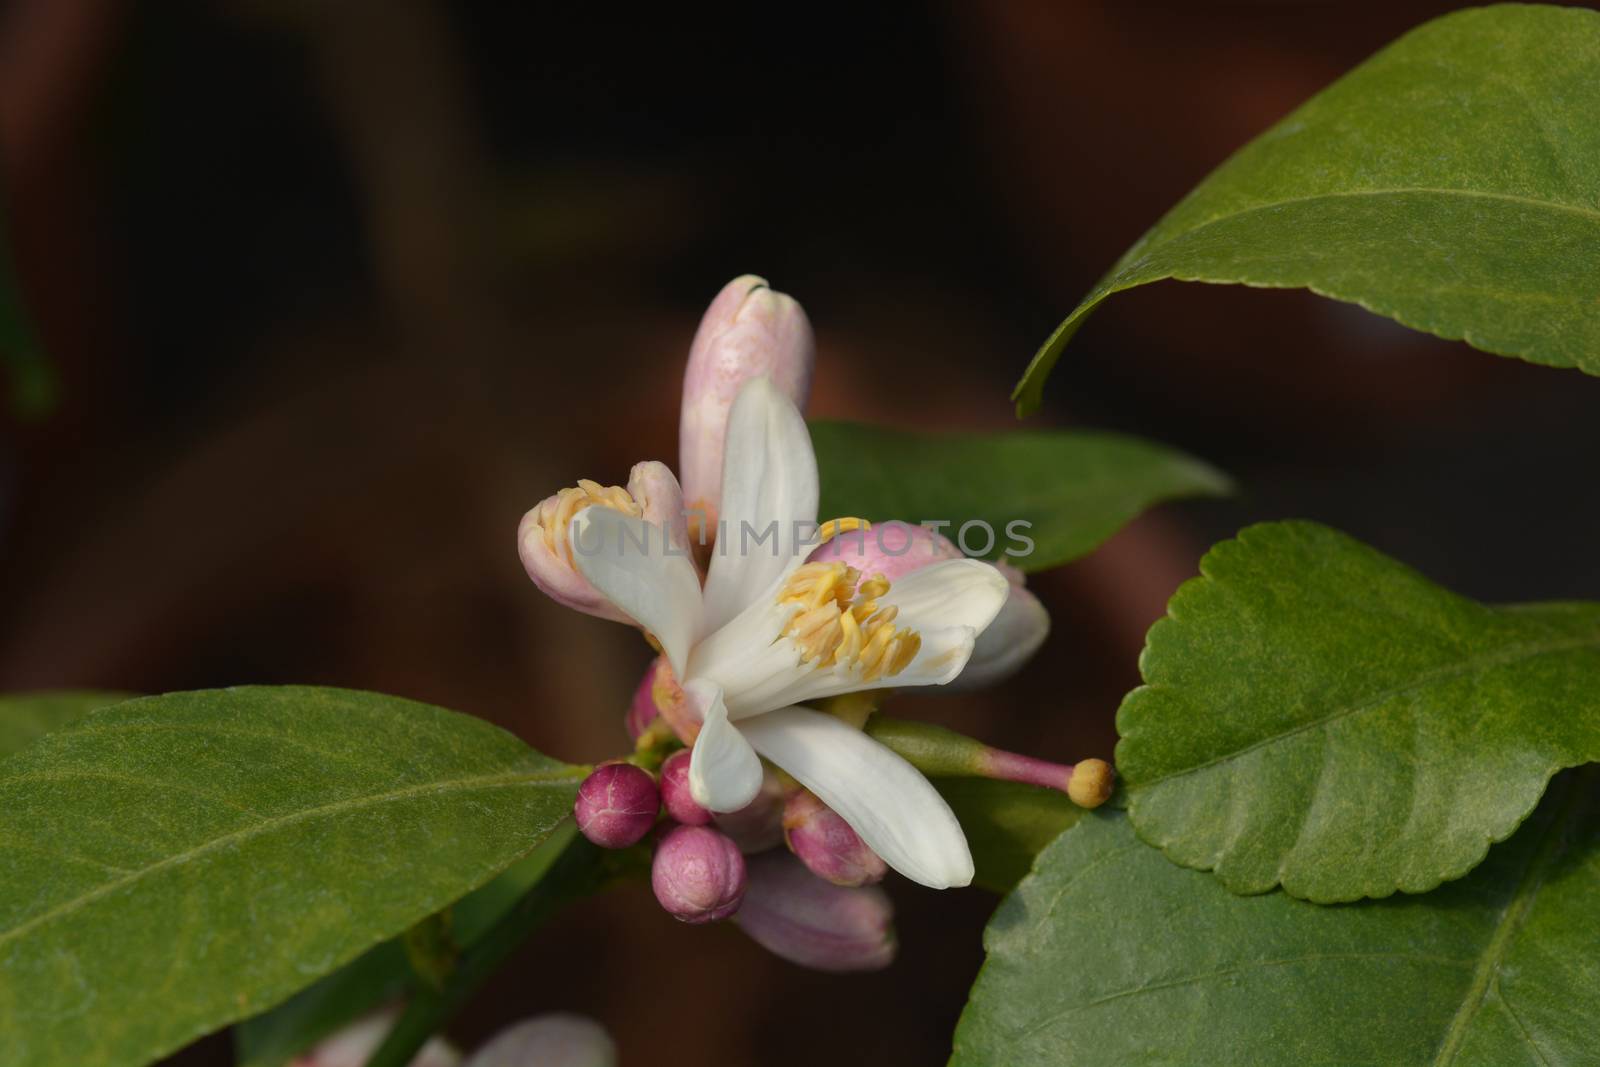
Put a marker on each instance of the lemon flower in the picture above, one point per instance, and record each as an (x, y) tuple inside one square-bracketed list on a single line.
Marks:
[(768, 632)]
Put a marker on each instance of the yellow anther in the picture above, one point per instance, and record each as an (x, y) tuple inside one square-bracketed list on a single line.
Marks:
[(850, 641), (834, 527), (815, 584), (840, 624), (873, 587), (555, 514)]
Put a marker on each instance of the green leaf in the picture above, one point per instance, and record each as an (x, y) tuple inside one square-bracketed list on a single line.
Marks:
[(1319, 715), (1451, 183), (275, 1037), (1076, 488), (1110, 955), (179, 862), (1007, 825), (27, 716)]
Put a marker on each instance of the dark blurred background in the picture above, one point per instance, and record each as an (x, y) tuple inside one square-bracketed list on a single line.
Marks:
[(337, 290)]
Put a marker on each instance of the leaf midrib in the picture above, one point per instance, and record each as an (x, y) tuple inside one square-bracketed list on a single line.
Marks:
[(1506, 929), (1507, 657), (481, 782), (1246, 967)]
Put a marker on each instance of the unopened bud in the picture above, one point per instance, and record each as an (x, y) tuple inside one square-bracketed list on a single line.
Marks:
[(675, 794), (544, 535), (758, 825), (352, 1046), (896, 549), (893, 549), (827, 845), (643, 711), (616, 805), (749, 330), (698, 874), (794, 914), (559, 1039)]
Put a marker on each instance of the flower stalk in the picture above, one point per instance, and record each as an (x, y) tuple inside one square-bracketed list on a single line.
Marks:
[(938, 752)]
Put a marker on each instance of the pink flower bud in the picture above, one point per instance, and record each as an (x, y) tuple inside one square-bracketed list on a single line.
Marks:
[(748, 331), (675, 796), (794, 914), (896, 549), (893, 549), (698, 874), (616, 805), (827, 845), (559, 1039), (758, 825), (643, 711), (352, 1046), (543, 537)]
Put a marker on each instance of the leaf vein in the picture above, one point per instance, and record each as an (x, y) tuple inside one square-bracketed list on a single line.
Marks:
[(1507, 657), (485, 782), (1225, 972)]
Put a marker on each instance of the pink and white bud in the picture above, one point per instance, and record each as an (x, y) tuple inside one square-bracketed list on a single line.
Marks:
[(616, 805), (698, 874), (544, 535), (758, 825), (896, 549), (642, 710), (748, 331), (352, 1046), (893, 549), (827, 845), (675, 795), (794, 914), (559, 1039)]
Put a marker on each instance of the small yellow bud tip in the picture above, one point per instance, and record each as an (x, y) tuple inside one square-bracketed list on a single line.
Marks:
[(1091, 783)]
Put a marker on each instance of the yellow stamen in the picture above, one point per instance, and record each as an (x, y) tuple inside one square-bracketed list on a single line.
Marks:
[(840, 623), (555, 514), (834, 527)]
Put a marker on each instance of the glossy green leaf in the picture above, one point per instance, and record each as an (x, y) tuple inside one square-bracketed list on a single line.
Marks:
[(1007, 825), (1451, 182), (1109, 955), (25, 717), (1319, 715), (179, 862), (1075, 488), (275, 1037)]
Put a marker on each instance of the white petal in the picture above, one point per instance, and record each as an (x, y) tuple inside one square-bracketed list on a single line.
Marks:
[(887, 801), (1007, 643), (956, 592), (948, 604), (769, 501), (724, 771), (651, 582)]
